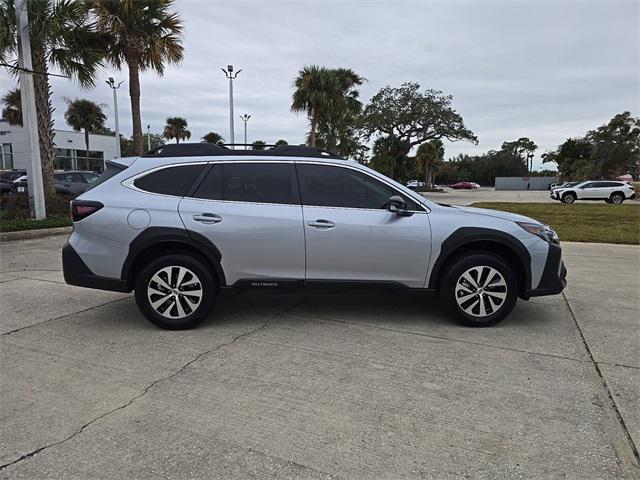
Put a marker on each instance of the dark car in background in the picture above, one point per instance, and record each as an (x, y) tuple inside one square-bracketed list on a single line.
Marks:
[(67, 182), (6, 179)]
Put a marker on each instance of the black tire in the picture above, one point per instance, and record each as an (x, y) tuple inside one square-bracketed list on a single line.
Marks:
[(616, 198), (569, 197), (196, 280), (495, 310)]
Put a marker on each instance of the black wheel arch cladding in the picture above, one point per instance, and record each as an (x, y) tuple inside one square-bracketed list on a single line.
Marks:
[(467, 236)]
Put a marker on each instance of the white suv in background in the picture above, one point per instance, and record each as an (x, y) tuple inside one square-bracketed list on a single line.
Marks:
[(607, 190)]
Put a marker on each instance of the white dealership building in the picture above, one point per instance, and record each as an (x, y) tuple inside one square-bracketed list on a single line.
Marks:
[(70, 149)]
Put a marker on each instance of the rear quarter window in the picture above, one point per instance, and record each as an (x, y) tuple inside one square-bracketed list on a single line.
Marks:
[(174, 181)]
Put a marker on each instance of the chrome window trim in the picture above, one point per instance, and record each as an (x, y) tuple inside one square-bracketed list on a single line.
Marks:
[(311, 162)]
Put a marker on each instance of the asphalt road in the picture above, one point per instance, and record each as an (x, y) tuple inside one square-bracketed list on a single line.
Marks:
[(380, 386)]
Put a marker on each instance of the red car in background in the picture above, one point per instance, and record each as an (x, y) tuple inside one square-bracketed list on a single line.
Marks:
[(464, 185)]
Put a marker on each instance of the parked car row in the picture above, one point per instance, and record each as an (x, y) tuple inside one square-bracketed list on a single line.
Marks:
[(65, 182), (610, 191)]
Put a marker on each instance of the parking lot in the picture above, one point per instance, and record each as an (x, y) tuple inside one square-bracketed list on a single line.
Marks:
[(291, 386)]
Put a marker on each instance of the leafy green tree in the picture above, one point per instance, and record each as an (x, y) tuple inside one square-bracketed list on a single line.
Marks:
[(323, 93), (389, 156), (61, 36), (259, 145), (213, 137), (176, 127), (12, 107), (608, 151), (144, 35), (429, 155), (281, 143), (413, 117), (523, 148), (84, 115)]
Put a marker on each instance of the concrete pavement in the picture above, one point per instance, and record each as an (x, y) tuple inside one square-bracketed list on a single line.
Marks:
[(292, 386)]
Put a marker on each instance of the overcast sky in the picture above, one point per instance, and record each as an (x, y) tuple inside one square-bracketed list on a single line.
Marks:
[(546, 70)]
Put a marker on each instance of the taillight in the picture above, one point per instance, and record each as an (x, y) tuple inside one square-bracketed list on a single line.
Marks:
[(83, 208)]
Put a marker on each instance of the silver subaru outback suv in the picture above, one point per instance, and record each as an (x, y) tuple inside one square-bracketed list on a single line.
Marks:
[(183, 223)]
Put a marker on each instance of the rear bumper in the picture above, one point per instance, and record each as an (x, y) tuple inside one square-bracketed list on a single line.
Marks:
[(77, 273), (554, 275)]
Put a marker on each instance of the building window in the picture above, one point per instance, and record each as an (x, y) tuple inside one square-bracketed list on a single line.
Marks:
[(72, 159), (6, 157)]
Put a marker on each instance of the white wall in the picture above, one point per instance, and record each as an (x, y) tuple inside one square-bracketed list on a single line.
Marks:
[(62, 139)]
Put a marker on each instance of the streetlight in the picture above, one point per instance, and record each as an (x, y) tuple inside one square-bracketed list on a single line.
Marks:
[(111, 82), (148, 138), (245, 118), (231, 76)]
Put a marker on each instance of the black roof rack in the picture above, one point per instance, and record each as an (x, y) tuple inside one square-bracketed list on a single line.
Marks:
[(213, 149)]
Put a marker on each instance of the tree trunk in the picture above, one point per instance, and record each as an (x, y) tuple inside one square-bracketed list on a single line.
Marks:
[(314, 126), (86, 143), (134, 94), (44, 113)]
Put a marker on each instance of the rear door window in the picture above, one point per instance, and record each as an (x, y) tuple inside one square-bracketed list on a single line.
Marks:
[(170, 181), (250, 182)]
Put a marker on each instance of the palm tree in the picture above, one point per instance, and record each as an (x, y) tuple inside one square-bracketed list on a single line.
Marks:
[(12, 107), (144, 35), (429, 154), (259, 145), (62, 36), (213, 137), (322, 92), (281, 143), (176, 127), (85, 115)]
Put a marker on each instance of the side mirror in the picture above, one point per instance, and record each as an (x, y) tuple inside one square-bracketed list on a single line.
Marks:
[(398, 206)]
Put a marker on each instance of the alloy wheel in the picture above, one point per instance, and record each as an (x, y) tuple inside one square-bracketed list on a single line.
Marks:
[(174, 292), (481, 291)]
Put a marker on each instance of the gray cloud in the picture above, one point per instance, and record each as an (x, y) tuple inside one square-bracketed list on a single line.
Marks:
[(546, 70)]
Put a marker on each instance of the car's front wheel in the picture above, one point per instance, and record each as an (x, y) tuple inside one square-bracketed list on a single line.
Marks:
[(479, 289), (175, 291), (569, 197)]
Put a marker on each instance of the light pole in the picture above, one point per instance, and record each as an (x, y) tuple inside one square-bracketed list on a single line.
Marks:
[(529, 161), (231, 76), (245, 118), (148, 138), (29, 122), (112, 83)]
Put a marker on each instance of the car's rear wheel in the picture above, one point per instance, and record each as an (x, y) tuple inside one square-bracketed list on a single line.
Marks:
[(175, 291), (479, 289), (616, 198), (569, 197)]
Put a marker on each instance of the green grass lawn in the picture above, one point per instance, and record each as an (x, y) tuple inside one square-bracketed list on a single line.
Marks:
[(16, 224), (581, 222)]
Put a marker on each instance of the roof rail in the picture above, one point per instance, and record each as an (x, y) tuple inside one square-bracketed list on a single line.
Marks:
[(213, 149)]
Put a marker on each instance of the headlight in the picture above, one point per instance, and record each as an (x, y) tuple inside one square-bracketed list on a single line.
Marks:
[(543, 231)]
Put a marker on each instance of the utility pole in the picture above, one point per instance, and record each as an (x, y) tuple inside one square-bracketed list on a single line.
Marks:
[(29, 119), (231, 76), (111, 82), (245, 118)]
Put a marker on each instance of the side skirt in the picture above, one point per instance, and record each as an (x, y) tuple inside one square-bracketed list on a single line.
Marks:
[(288, 286)]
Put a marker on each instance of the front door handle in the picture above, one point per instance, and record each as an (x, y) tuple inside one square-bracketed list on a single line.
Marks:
[(207, 218), (320, 223)]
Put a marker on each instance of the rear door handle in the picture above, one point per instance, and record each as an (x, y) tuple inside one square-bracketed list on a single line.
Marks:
[(320, 223), (207, 218)]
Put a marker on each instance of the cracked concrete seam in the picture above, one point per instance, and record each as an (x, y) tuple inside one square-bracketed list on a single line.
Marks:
[(156, 382), (635, 457)]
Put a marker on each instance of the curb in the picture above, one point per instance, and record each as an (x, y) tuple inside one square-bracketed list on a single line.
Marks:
[(38, 233)]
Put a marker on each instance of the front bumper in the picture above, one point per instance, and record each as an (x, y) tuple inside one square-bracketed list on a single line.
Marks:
[(554, 275), (77, 273)]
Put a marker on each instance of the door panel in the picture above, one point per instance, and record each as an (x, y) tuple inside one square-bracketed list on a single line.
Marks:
[(350, 233), (255, 240), (371, 245), (251, 211)]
